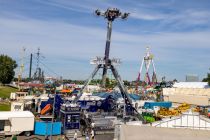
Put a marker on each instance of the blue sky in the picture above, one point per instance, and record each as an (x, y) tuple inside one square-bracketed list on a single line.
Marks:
[(69, 35)]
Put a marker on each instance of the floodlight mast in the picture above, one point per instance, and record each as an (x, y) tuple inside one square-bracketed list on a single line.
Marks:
[(110, 14)]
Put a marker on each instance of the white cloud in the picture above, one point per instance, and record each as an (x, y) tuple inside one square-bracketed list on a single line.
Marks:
[(66, 5), (58, 37), (189, 18), (146, 16), (61, 40)]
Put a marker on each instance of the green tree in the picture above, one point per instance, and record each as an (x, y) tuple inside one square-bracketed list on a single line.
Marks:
[(107, 83), (126, 83), (7, 66), (110, 83), (207, 79), (14, 137)]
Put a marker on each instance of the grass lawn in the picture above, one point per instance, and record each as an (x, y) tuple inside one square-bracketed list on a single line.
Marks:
[(6, 90), (5, 107)]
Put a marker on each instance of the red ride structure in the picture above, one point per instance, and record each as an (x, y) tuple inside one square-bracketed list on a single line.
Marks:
[(147, 62)]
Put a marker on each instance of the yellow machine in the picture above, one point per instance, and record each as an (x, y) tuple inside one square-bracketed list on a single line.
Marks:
[(173, 112), (196, 109)]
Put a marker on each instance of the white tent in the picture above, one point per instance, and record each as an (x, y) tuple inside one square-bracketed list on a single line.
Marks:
[(191, 85)]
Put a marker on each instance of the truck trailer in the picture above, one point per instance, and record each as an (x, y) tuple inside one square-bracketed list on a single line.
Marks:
[(16, 122)]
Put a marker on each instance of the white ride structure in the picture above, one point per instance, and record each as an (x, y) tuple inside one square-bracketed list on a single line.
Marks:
[(147, 62)]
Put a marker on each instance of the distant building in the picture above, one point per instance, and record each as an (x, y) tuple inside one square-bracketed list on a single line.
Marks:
[(192, 78)]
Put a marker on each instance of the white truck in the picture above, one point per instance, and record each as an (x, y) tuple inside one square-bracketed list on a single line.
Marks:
[(16, 122)]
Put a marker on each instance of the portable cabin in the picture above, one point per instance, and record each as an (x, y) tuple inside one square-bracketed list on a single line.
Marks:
[(22, 105), (17, 106), (18, 95), (70, 116), (16, 122)]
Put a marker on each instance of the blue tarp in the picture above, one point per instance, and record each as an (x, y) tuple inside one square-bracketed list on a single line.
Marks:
[(57, 105), (47, 128), (150, 105), (117, 95)]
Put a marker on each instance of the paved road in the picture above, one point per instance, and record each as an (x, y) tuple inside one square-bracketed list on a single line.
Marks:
[(33, 137), (105, 137), (155, 133)]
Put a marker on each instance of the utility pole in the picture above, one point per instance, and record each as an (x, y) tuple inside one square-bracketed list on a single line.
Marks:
[(31, 56), (37, 58), (53, 114)]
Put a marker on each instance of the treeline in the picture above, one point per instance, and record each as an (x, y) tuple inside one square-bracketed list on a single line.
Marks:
[(207, 79), (110, 83)]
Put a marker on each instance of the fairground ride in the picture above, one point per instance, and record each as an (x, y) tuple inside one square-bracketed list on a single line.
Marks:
[(106, 63), (147, 63)]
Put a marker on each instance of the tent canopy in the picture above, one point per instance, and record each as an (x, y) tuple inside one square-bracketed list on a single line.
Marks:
[(65, 91), (116, 95)]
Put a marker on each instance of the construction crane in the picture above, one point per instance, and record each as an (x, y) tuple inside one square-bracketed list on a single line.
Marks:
[(22, 55), (147, 62)]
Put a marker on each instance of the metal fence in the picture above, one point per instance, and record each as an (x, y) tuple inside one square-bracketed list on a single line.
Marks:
[(192, 121)]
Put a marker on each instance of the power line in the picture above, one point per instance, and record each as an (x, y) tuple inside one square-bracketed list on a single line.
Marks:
[(49, 69)]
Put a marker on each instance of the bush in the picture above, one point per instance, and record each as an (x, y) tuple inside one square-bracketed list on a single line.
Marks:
[(14, 137)]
